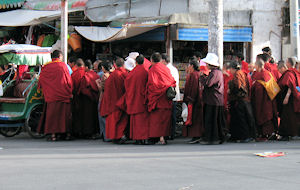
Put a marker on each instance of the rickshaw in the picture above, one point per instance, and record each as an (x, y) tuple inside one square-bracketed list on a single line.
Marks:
[(21, 104)]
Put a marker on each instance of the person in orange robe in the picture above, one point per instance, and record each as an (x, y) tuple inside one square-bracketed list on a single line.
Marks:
[(116, 119), (289, 101), (77, 104), (264, 109), (135, 98), (193, 97), (159, 106), (56, 83)]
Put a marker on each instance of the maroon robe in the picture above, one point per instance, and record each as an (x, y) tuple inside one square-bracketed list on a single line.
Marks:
[(264, 109), (159, 106), (135, 97), (193, 95), (116, 119), (273, 69), (56, 83), (290, 113), (89, 92), (77, 103)]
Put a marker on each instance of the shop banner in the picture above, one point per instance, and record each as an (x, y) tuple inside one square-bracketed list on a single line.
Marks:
[(52, 5)]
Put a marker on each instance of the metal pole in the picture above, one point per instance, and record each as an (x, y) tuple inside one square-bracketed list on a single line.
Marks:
[(64, 29), (215, 29), (294, 29)]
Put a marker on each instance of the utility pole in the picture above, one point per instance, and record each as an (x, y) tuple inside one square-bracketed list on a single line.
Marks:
[(294, 28), (64, 29), (215, 29)]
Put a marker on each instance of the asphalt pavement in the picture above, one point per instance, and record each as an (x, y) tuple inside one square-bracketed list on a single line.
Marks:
[(31, 164)]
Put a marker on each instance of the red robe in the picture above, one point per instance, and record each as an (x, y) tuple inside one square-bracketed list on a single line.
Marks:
[(290, 113), (56, 83), (227, 78), (264, 109), (273, 69), (245, 67), (193, 95), (78, 103), (116, 119), (147, 64), (159, 106), (89, 96), (135, 97)]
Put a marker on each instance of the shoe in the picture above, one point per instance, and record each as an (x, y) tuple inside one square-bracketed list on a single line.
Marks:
[(194, 141), (123, 140), (148, 142), (225, 138), (286, 138), (204, 143), (106, 140), (215, 142), (261, 139), (246, 140)]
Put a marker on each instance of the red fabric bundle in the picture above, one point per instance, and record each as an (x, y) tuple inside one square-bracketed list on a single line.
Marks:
[(159, 80), (56, 82)]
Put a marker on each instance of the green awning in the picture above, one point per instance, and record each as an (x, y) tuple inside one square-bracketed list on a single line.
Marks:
[(7, 4), (53, 5)]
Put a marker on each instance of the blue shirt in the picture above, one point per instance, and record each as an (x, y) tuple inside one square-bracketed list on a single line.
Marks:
[(69, 68)]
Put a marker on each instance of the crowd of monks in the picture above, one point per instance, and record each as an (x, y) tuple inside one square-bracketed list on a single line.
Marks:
[(134, 99)]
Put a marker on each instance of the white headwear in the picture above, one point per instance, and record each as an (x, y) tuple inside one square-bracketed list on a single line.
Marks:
[(130, 64), (133, 55), (212, 59)]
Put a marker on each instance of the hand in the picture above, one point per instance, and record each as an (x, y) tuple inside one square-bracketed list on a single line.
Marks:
[(285, 101)]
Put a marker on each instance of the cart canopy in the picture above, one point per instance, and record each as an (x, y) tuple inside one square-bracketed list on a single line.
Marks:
[(24, 54)]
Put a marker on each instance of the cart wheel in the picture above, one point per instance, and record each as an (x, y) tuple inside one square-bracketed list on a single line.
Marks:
[(10, 131), (32, 122)]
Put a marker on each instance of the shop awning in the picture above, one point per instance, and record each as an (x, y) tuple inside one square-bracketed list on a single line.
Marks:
[(109, 34), (53, 5), (239, 34), (7, 4), (22, 17)]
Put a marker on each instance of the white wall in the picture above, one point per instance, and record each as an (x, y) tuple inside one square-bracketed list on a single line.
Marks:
[(266, 21)]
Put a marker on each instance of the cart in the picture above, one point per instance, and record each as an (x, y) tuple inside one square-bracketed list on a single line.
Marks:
[(21, 105)]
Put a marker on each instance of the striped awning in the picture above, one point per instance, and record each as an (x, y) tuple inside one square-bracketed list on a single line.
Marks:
[(54, 5), (9, 4)]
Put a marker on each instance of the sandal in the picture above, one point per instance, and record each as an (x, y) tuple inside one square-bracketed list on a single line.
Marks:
[(52, 139), (161, 143)]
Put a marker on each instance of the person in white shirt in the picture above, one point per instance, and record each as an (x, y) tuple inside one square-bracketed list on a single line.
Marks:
[(175, 74)]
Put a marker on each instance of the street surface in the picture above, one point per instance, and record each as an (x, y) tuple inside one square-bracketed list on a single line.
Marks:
[(30, 164)]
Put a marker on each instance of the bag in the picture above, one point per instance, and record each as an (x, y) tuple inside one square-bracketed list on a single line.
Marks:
[(189, 121), (171, 93), (271, 87)]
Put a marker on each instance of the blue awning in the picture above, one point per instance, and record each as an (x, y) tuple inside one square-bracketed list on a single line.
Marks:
[(230, 34)]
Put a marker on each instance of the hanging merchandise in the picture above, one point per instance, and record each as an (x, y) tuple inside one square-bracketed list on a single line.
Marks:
[(49, 40), (75, 42), (40, 40)]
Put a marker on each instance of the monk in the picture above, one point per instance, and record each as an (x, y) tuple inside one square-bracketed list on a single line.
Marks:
[(245, 66), (269, 66), (77, 111), (159, 106), (135, 97), (116, 119), (72, 63), (56, 83), (89, 92), (227, 77), (264, 108), (193, 98), (289, 101)]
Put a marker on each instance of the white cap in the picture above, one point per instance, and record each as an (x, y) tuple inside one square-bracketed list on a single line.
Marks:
[(133, 55), (130, 63), (211, 59)]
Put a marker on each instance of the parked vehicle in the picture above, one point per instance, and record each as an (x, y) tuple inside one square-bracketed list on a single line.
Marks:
[(21, 105)]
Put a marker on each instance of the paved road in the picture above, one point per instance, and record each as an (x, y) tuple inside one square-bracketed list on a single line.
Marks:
[(29, 164)]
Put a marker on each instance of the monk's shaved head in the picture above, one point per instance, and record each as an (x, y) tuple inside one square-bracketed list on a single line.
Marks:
[(79, 62), (120, 62)]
